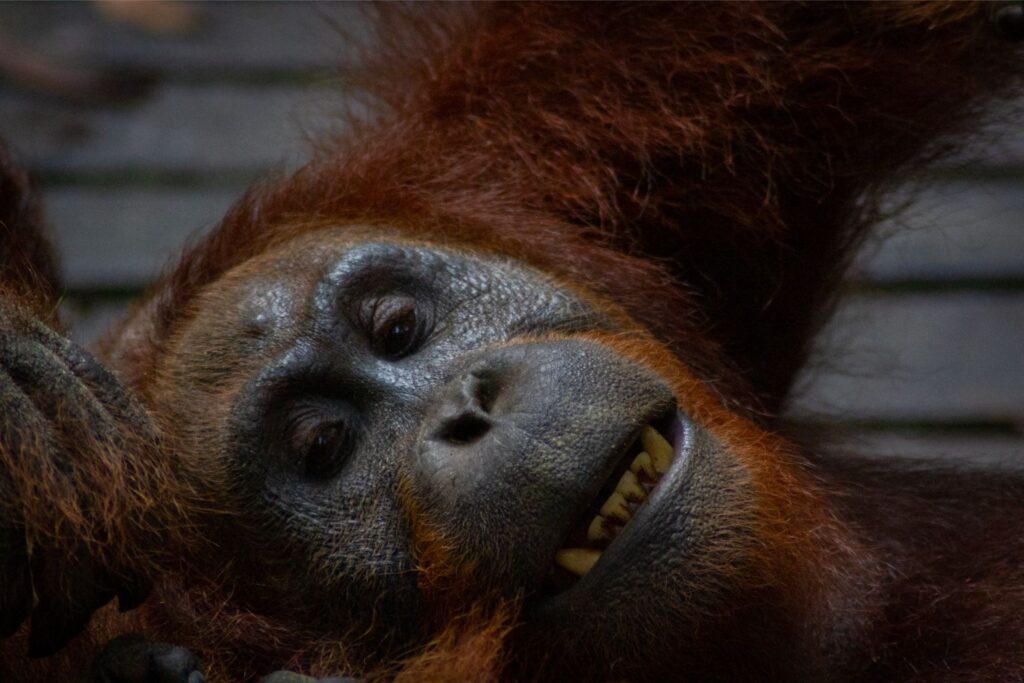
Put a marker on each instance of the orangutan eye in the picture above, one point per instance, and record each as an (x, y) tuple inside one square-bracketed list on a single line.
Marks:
[(324, 450), (399, 335), (397, 328)]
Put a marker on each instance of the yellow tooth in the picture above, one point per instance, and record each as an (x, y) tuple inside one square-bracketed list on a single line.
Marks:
[(597, 530), (660, 449), (630, 488), (616, 508), (579, 561), (643, 463)]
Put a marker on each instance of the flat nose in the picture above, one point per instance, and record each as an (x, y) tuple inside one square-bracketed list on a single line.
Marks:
[(464, 416), (514, 446)]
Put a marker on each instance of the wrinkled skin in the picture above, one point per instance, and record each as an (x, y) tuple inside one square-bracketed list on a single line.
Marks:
[(347, 397), (500, 429)]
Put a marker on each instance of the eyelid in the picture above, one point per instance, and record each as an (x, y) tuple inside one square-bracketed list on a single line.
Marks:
[(388, 309), (301, 426), (371, 310), (302, 422), (379, 313)]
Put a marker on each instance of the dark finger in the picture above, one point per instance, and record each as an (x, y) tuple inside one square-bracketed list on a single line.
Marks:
[(22, 428), (53, 388), (132, 659), (107, 388), (66, 601), (15, 581), (132, 593)]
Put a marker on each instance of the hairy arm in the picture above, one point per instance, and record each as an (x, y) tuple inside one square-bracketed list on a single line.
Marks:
[(73, 445)]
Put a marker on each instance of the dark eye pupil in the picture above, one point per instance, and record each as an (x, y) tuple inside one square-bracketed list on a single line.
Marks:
[(326, 452), (400, 335), (321, 443), (398, 331)]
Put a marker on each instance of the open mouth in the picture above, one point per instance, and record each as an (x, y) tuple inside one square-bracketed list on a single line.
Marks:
[(634, 478)]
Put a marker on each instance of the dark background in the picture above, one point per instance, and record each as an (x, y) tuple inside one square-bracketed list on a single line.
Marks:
[(925, 356)]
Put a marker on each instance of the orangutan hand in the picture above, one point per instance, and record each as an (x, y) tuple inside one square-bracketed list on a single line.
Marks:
[(64, 424)]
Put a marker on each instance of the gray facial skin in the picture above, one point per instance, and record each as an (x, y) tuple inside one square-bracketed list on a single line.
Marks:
[(380, 376)]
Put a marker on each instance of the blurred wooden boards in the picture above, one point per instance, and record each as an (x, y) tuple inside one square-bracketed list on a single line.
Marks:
[(958, 233), (119, 238), (255, 39), (177, 131), (934, 329), (925, 356), (936, 356), (955, 229)]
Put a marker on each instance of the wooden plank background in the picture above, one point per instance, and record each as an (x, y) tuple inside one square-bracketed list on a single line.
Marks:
[(924, 357)]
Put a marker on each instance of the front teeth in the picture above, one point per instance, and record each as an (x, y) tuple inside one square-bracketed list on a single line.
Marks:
[(616, 508), (632, 489), (659, 448), (600, 530), (643, 464), (577, 560)]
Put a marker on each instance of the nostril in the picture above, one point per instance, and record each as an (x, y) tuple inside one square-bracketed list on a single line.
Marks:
[(464, 429), (465, 415)]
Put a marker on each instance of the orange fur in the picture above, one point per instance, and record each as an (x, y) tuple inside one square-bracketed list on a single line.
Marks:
[(703, 170)]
